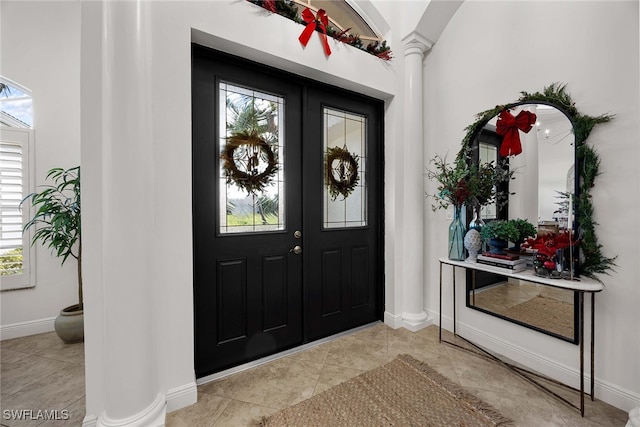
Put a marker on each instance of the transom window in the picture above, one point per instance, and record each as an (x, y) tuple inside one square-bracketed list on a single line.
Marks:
[(342, 16)]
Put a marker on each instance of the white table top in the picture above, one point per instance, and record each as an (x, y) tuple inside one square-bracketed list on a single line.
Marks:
[(584, 284)]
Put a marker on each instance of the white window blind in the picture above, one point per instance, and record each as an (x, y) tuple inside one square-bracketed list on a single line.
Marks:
[(11, 193), (15, 249)]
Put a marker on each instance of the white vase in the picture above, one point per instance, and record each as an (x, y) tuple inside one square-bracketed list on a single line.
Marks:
[(473, 243)]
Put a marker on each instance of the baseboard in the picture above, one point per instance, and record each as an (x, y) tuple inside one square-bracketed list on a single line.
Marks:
[(152, 416), (411, 322), (182, 396), (23, 329), (394, 321), (604, 391)]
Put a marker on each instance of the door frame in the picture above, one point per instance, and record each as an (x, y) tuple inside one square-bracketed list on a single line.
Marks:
[(378, 227)]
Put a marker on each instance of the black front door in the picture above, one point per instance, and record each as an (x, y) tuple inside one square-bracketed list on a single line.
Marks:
[(280, 258)]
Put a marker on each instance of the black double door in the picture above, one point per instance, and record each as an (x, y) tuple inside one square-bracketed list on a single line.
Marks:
[(280, 257)]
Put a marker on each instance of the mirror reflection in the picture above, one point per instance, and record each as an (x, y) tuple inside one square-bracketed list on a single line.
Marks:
[(544, 175)]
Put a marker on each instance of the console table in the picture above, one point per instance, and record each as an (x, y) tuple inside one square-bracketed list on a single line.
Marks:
[(581, 285)]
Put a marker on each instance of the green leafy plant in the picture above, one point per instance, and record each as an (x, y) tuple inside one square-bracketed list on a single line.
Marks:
[(524, 227), (57, 217), (465, 183), (500, 229)]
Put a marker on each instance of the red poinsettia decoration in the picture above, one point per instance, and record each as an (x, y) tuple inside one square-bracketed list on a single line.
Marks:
[(548, 244)]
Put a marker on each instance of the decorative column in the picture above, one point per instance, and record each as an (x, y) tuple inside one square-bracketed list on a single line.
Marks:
[(117, 173), (411, 213)]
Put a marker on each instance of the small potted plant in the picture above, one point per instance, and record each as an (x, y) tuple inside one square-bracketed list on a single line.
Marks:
[(57, 224), (525, 230), (499, 233)]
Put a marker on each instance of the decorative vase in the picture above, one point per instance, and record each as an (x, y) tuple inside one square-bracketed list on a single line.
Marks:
[(473, 243), (456, 236), (69, 325), (497, 246), (476, 223)]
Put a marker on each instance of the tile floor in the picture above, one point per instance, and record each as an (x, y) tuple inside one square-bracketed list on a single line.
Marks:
[(40, 372)]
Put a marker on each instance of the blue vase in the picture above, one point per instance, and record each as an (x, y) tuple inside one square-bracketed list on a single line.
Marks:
[(456, 236), (498, 246)]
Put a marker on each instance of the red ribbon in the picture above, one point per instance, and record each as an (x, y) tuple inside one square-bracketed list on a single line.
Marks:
[(508, 126), (321, 21)]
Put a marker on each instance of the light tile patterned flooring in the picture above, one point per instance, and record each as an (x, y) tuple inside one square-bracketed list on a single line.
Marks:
[(39, 372)]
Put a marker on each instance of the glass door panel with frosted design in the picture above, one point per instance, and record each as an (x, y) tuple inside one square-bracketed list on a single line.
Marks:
[(345, 195), (252, 196)]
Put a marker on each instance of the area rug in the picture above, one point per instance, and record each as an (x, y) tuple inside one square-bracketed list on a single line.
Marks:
[(545, 313), (404, 392)]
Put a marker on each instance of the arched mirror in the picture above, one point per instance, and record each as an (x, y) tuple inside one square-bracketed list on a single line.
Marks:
[(551, 170)]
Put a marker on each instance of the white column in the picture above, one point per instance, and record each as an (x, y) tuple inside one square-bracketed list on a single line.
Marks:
[(117, 173), (411, 213)]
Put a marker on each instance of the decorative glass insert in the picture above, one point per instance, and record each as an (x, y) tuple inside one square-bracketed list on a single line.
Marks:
[(345, 159), (252, 188), (488, 153)]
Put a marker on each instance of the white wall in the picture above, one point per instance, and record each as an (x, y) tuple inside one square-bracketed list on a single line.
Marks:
[(166, 45), (489, 52), (40, 45)]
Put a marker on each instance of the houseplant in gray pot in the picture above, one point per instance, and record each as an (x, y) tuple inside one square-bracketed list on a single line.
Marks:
[(57, 225)]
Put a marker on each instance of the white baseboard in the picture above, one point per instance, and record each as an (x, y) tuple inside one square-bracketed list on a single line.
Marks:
[(394, 321), (152, 416), (23, 329), (182, 396), (604, 391), (412, 323)]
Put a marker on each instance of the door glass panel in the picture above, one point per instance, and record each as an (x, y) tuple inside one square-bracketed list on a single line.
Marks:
[(252, 196), (345, 195)]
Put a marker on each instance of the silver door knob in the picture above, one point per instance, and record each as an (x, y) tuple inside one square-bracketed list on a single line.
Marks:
[(296, 250)]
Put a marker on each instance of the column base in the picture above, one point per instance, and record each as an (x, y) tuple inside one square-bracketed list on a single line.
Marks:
[(152, 416), (416, 321)]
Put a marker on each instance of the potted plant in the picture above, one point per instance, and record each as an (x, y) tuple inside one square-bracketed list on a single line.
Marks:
[(499, 233), (525, 230), (57, 224)]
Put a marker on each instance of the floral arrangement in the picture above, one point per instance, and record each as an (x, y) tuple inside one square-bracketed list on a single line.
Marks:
[(453, 188), (463, 184), (548, 244)]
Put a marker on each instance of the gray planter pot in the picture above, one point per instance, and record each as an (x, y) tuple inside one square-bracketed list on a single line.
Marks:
[(69, 325)]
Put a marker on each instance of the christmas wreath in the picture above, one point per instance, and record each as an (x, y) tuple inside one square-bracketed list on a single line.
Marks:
[(342, 178), (243, 156)]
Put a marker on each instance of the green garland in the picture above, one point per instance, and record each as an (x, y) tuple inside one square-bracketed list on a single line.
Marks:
[(593, 262), (289, 10)]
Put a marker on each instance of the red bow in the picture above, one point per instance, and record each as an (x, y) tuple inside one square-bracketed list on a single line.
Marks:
[(321, 20), (508, 126)]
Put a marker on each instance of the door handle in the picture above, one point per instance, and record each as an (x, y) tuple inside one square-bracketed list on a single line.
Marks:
[(297, 250)]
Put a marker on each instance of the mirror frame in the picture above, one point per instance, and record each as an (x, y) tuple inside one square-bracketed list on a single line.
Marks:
[(592, 261)]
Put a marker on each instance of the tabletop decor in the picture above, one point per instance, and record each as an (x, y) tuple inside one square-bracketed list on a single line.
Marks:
[(593, 261), (453, 189), (550, 255), (499, 233), (463, 184)]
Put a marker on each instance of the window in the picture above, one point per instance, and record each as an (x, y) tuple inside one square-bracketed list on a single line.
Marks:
[(343, 16), (16, 139)]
